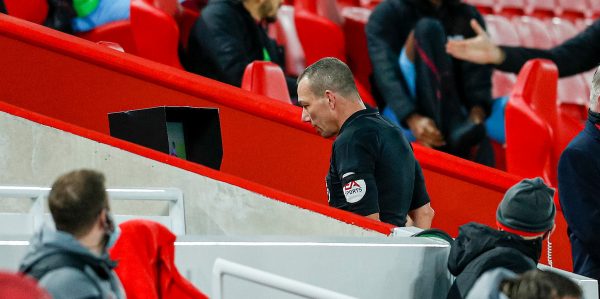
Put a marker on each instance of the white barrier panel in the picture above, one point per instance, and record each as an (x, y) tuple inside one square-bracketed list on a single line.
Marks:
[(359, 267), (223, 267), (33, 220), (588, 285)]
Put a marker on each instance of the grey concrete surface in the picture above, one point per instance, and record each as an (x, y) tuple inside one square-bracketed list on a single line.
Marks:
[(34, 155)]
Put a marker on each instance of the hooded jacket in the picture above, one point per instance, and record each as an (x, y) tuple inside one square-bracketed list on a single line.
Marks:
[(479, 248), (69, 282), (387, 31), (488, 286)]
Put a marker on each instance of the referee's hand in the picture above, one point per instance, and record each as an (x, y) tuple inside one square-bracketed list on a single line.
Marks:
[(425, 131)]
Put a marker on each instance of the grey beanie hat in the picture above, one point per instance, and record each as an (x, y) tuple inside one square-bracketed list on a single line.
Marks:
[(527, 207)]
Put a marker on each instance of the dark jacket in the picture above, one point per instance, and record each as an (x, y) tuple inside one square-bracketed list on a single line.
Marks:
[(576, 55), (387, 30), (2, 8), (479, 248), (579, 193), (225, 39), (70, 282)]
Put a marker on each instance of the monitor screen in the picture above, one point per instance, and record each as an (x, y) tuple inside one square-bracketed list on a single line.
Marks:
[(176, 139)]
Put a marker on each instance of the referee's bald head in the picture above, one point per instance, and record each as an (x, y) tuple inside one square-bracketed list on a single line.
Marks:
[(330, 73)]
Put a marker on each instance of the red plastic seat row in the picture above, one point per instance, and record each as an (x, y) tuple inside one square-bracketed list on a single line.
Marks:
[(569, 9)]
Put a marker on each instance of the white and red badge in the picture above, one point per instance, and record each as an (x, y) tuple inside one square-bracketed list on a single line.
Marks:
[(354, 190)]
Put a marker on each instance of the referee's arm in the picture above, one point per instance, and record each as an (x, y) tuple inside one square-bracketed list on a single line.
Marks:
[(421, 217)]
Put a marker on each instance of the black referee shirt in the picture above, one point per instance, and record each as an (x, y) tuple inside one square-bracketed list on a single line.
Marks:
[(373, 170)]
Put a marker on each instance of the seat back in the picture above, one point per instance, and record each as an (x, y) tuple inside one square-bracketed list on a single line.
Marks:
[(573, 97), (285, 33), (484, 6), (155, 30), (572, 9), (512, 8), (319, 36), (266, 78), (30, 10), (560, 30), (502, 32), (530, 115), (532, 32), (541, 8), (117, 32), (356, 44)]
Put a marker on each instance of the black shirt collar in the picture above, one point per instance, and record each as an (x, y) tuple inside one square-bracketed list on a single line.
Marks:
[(356, 115)]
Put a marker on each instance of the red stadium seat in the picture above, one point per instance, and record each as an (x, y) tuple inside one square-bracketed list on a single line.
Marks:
[(118, 32), (30, 10), (155, 31), (356, 44), (502, 32), (560, 30), (266, 78), (319, 36), (532, 32), (595, 8), (530, 116), (573, 97), (284, 32), (502, 83), (541, 8), (510, 8), (484, 6), (573, 9)]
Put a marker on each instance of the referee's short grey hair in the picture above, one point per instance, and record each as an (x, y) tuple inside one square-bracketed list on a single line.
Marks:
[(595, 92), (330, 73)]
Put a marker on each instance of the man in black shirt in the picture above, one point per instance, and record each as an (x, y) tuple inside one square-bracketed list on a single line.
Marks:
[(229, 35), (373, 171)]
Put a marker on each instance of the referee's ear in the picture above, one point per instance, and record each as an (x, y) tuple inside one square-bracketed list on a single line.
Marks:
[(331, 99)]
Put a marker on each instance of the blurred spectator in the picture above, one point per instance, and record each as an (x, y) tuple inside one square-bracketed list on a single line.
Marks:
[(72, 261), (146, 254), (16, 286), (575, 55), (373, 171), (579, 190), (534, 284), (443, 102), (84, 15), (229, 35), (2, 7), (525, 217)]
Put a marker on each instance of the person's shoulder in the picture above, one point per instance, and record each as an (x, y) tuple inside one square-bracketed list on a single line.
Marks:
[(220, 9), (69, 282)]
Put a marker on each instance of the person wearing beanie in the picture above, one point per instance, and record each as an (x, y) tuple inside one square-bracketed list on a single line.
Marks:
[(525, 217), (579, 190)]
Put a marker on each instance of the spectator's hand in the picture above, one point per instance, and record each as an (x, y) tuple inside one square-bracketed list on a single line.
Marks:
[(425, 131), (477, 115), (479, 49)]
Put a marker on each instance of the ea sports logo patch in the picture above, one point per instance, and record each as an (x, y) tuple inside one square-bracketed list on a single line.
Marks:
[(354, 191)]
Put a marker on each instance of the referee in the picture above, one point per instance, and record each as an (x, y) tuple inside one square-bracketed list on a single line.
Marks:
[(373, 171)]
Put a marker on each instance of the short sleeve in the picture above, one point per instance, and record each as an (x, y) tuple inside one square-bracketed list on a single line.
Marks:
[(355, 158), (420, 195)]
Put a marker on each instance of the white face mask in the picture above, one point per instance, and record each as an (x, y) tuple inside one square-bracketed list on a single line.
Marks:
[(112, 232)]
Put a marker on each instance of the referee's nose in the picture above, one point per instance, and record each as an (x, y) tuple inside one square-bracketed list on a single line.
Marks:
[(305, 116)]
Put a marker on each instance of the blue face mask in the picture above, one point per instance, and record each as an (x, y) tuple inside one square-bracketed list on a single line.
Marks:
[(112, 232)]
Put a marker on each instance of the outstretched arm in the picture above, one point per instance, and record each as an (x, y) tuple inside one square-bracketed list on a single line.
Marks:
[(479, 49)]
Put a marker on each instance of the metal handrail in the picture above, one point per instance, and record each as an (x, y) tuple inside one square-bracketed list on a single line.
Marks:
[(173, 196), (224, 267)]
